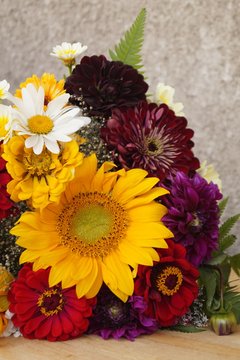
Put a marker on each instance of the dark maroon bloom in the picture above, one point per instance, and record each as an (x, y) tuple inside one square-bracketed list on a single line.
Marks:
[(150, 137), (104, 84), (193, 215), (114, 318)]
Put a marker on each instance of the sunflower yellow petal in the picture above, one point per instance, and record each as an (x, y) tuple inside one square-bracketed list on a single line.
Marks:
[(122, 272), (84, 286), (96, 285), (129, 252), (148, 230), (86, 171), (129, 180), (150, 212), (83, 268), (146, 198)]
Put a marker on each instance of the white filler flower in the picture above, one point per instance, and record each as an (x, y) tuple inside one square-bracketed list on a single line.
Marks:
[(165, 95), (45, 125), (4, 87), (67, 52)]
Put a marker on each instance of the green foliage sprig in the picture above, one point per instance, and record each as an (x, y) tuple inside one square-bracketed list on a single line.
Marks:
[(129, 48), (214, 276)]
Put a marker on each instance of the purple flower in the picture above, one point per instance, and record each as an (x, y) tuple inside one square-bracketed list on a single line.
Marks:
[(114, 318), (193, 215)]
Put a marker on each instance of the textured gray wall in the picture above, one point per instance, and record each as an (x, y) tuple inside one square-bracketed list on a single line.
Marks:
[(192, 45)]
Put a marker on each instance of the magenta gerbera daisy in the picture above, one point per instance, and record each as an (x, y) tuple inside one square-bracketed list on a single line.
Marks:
[(101, 85), (43, 312), (150, 137)]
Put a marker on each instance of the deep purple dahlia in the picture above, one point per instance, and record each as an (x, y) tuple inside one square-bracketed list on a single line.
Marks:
[(116, 319), (150, 137), (102, 85), (193, 215)]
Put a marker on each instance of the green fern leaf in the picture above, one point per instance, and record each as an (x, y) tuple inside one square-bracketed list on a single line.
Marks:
[(226, 227), (222, 205), (226, 242), (129, 48)]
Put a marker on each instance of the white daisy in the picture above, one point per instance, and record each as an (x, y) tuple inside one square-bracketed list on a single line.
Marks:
[(67, 52), (165, 95), (6, 121), (45, 125), (4, 87)]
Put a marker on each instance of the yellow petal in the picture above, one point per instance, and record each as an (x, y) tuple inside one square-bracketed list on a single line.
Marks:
[(146, 198), (122, 273), (87, 284), (129, 180), (150, 212), (151, 230)]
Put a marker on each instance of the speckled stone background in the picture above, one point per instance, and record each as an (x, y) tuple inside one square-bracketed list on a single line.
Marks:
[(192, 45)]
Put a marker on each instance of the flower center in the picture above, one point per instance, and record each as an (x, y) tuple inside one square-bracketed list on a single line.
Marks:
[(50, 302), (93, 224), (169, 280), (153, 146), (40, 124), (38, 164), (196, 224)]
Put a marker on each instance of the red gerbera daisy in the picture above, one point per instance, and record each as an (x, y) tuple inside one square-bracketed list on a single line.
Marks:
[(43, 312), (152, 138), (169, 287), (5, 202)]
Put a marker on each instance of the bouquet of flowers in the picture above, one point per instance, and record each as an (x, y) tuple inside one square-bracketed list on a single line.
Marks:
[(109, 223)]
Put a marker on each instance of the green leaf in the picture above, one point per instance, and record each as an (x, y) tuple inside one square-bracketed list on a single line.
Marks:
[(129, 48), (235, 263), (187, 328), (208, 278), (226, 227), (226, 242), (217, 260), (222, 205)]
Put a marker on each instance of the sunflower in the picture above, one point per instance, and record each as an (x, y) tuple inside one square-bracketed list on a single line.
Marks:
[(52, 87), (40, 179), (105, 224)]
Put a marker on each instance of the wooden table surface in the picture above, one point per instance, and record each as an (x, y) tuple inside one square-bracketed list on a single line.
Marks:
[(163, 345)]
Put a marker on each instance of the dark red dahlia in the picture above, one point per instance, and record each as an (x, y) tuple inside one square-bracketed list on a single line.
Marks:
[(43, 312), (150, 137), (193, 215), (102, 85), (169, 287), (5, 202), (114, 318)]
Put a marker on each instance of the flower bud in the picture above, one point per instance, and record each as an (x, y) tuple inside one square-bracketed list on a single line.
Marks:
[(223, 323)]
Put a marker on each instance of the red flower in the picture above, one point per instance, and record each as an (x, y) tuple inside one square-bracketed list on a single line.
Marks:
[(43, 312), (169, 287), (152, 138), (5, 203)]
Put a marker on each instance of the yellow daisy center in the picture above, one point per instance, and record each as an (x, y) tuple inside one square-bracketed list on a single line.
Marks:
[(92, 225), (38, 164), (40, 124), (50, 302), (169, 280)]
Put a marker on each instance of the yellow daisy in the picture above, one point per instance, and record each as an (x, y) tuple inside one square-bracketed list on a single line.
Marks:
[(52, 87), (105, 224), (40, 179), (5, 280)]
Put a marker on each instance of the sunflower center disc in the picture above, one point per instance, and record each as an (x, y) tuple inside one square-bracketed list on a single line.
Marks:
[(40, 124), (92, 223)]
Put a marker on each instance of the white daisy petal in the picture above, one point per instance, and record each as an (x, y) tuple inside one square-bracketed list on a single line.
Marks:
[(38, 147), (52, 146), (31, 141), (56, 105), (72, 112)]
